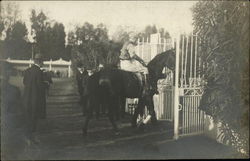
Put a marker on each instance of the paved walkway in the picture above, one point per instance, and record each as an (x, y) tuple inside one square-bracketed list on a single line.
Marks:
[(61, 137)]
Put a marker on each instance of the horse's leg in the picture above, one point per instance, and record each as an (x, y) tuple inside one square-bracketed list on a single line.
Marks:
[(122, 106), (90, 105), (84, 104), (112, 120), (112, 112), (85, 127), (150, 107), (118, 109), (138, 110)]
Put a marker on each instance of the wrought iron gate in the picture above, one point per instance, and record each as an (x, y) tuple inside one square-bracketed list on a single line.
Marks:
[(179, 101), (188, 118)]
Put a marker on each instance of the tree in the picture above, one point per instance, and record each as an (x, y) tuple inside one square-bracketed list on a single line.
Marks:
[(90, 44), (9, 16), (71, 39), (164, 34), (57, 39), (223, 27), (16, 45), (150, 30), (49, 36), (13, 32), (39, 26), (120, 35)]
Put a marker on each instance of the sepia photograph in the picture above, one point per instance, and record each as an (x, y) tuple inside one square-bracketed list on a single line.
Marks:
[(124, 80)]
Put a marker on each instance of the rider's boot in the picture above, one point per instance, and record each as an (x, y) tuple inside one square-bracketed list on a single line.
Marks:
[(146, 87)]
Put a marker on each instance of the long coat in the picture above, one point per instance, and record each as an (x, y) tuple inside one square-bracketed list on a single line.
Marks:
[(34, 94), (79, 81)]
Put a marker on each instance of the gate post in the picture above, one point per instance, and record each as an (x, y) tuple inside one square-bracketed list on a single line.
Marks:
[(176, 90), (69, 70)]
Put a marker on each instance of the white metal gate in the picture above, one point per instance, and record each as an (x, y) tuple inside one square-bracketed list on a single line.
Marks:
[(164, 105), (188, 118), (177, 101)]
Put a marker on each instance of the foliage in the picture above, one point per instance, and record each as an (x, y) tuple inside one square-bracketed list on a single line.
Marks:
[(121, 35), (152, 30), (91, 45), (223, 27), (15, 43), (9, 16), (49, 36), (13, 32)]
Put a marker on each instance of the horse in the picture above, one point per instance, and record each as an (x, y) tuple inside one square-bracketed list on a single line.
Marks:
[(111, 86)]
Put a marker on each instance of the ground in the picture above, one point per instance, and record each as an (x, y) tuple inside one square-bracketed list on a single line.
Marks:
[(60, 135)]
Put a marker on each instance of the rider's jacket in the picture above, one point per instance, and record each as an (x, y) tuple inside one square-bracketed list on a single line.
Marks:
[(128, 52)]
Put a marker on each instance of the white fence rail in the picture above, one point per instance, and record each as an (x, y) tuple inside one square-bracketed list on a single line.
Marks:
[(49, 64)]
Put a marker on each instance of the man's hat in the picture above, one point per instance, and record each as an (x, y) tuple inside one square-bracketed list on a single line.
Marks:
[(38, 56), (79, 64)]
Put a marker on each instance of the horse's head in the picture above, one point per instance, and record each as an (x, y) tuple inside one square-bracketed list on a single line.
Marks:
[(155, 66), (170, 59), (165, 59)]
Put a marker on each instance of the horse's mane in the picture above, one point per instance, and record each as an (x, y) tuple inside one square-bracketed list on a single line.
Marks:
[(156, 65), (158, 58)]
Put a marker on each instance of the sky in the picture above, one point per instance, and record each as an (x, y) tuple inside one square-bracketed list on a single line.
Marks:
[(174, 16)]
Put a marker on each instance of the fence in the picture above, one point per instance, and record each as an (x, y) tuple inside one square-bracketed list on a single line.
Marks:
[(58, 65)]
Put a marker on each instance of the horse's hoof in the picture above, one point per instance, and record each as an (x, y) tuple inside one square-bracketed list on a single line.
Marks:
[(141, 126)]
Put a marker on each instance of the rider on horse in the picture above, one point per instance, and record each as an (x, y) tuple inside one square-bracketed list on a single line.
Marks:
[(129, 61)]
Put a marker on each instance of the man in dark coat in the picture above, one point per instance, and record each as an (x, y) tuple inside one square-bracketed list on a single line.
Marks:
[(34, 94), (84, 78), (47, 80), (79, 80)]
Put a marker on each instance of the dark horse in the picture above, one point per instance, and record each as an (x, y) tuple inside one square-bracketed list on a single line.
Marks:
[(111, 86)]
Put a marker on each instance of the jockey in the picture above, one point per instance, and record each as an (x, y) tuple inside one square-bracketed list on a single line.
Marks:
[(131, 62)]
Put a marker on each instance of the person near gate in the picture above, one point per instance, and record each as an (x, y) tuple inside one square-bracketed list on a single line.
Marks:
[(34, 95)]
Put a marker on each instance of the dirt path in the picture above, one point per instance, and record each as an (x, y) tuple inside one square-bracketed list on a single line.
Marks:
[(61, 137)]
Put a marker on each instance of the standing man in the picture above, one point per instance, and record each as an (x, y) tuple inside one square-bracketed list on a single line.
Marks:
[(34, 95), (79, 80), (84, 78)]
